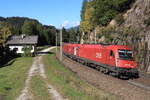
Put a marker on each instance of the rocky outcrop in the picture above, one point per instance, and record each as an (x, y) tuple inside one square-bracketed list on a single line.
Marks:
[(136, 19), (137, 16)]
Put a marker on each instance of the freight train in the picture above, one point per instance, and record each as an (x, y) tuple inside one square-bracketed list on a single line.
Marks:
[(117, 60)]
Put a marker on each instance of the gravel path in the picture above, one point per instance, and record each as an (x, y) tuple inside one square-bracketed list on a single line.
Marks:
[(38, 68), (118, 87), (25, 94)]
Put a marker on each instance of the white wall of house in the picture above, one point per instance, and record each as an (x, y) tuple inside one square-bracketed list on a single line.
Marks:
[(33, 49), (20, 49)]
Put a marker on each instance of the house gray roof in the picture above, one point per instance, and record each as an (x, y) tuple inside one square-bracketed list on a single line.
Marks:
[(19, 40)]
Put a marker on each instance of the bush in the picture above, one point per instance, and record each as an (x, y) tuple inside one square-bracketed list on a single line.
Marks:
[(85, 37), (27, 51), (119, 19), (108, 16), (147, 21), (6, 55), (1, 54), (106, 10)]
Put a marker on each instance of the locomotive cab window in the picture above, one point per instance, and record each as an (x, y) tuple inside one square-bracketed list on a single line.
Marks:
[(125, 54), (112, 53)]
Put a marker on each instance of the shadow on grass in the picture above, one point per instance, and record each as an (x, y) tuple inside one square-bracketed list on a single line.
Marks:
[(40, 53), (7, 64)]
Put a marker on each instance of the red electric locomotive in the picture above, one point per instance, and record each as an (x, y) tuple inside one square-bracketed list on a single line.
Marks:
[(114, 59)]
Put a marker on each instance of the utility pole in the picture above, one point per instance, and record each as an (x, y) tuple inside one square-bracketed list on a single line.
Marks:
[(61, 43), (56, 41), (95, 35)]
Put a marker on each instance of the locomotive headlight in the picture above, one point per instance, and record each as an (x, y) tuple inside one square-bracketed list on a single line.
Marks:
[(127, 64)]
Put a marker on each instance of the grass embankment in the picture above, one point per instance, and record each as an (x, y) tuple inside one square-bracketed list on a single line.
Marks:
[(38, 89), (12, 78), (69, 84)]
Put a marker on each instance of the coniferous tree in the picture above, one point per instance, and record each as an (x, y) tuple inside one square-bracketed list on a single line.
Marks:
[(27, 28), (72, 35), (83, 9), (65, 35)]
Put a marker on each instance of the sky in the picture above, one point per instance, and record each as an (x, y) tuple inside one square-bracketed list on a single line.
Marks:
[(49, 12)]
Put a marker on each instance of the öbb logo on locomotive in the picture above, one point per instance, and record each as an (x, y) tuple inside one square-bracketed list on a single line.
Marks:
[(98, 55)]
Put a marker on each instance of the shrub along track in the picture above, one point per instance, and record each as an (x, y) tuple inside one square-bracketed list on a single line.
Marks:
[(137, 89)]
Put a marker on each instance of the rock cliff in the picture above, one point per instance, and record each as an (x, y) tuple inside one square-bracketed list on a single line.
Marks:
[(138, 18)]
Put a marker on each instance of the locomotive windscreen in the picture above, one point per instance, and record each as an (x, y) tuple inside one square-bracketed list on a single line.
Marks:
[(125, 54)]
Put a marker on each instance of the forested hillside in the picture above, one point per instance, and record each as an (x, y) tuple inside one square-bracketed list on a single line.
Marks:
[(23, 25), (97, 14), (124, 22)]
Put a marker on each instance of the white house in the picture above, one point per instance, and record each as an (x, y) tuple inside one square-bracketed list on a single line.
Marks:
[(19, 42)]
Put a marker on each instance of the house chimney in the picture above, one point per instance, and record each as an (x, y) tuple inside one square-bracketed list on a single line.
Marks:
[(23, 36)]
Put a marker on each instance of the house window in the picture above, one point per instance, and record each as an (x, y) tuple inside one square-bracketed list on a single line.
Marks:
[(15, 49)]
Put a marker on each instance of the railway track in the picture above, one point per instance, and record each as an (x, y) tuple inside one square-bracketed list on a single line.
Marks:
[(140, 85), (132, 89), (142, 82)]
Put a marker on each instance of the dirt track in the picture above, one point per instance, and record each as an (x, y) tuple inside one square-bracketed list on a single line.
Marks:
[(38, 68), (118, 87)]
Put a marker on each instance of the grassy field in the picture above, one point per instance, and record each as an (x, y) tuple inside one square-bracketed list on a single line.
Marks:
[(39, 89), (12, 77), (69, 84)]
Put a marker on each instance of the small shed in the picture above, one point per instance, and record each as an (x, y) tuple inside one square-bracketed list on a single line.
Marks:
[(18, 43)]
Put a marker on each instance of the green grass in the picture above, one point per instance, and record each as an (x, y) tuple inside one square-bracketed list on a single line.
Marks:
[(69, 84), (38, 89), (12, 78)]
